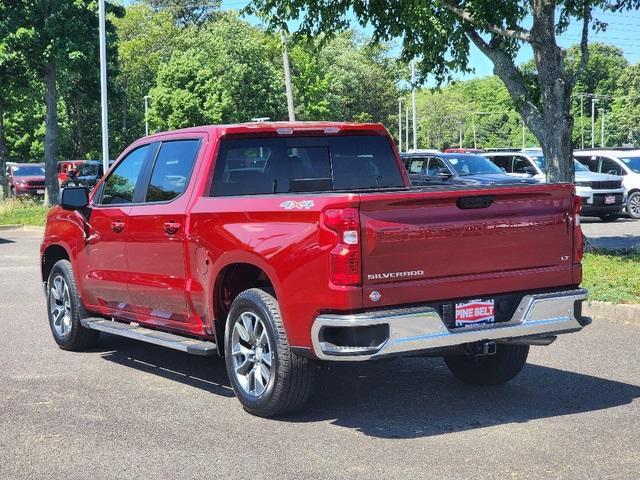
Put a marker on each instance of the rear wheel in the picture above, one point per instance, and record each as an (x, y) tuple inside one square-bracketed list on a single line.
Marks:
[(65, 310), (267, 377), (633, 205), (501, 367)]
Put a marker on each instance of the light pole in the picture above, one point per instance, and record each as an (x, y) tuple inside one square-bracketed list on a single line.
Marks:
[(413, 106), (523, 142), (103, 86), (146, 114), (601, 110), (593, 121), (582, 120), (400, 124), (406, 129)]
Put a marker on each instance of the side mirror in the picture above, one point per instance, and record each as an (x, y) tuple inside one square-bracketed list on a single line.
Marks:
[(443, 172), (530, 170), (74, 198), (613, 172)]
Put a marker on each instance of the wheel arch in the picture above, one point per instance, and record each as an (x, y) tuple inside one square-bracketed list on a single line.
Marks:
[(52, 254), (232, 279)]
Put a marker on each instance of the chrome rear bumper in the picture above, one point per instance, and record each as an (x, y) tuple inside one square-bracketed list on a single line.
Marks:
[(422, 329)]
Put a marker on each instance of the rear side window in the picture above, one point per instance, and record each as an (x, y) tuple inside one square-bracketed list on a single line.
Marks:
[(304, 164), (172, 170), (502, 161), (121, 183)]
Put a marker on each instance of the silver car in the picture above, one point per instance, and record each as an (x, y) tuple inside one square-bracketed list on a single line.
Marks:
[(602, 194)]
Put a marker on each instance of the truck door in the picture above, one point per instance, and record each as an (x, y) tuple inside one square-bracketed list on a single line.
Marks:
[(156, 244), (107, 274)]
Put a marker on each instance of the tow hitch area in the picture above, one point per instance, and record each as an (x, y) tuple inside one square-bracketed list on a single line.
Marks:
[(481, 349)]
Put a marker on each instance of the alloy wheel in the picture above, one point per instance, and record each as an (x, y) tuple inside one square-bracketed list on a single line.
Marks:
[(251, 353), (60, 306)]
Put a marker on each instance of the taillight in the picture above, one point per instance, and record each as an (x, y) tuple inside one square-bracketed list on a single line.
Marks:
[(344, 258), (578, 238)]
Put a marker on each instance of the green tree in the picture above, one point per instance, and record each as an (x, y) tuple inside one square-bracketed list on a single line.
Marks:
[(56, 37), (440, 33), (187, 12), (216, 78), (624, 119)]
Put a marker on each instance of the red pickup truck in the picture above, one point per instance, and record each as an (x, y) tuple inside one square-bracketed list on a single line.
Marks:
[(281, 245)]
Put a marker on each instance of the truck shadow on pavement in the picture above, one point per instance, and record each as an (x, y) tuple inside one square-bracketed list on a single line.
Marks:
[(401, 398)]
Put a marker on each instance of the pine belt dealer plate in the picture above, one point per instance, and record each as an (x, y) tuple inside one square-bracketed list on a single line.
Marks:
[(475, 312)]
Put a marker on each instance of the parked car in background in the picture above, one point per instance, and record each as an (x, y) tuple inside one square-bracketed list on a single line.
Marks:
[(624, 164), (463, 150), (87, 175), (602, 195), (456, 169), (66, 166), (26, 179), (279, 245)]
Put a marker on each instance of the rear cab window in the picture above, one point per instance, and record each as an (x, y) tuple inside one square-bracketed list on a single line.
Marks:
[(304, 164)]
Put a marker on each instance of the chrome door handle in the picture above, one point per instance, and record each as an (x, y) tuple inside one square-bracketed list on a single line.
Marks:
[(172, 228), (117, 226)]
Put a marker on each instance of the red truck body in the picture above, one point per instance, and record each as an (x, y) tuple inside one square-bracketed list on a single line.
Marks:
[(176, 266)]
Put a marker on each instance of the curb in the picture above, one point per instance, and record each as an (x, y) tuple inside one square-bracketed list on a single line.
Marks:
[(12, 227), (19, 226), (612, 312)]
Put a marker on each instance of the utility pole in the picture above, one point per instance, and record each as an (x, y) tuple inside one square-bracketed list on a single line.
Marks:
[(146, 115), (400, 124), (103, 86), (601, 110), (473, 125), (406, 130), (413, 100), (287, 76), (593, 121), (582, 120)]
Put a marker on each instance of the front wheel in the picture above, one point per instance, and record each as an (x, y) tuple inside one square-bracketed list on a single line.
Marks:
[(267, 377), (633, 205), (501, 367), (65, 310)]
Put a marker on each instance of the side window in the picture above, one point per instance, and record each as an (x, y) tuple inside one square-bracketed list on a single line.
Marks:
[(172, 170), (502, 161), (121, 183), (435, 164), (610, 166), (590, 162), (417, 165), (519, 164)]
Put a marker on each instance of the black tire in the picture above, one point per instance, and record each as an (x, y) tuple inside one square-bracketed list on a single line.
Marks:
[(632, 205), (76, 337), (489, 369), (291, 376), (612, 217)]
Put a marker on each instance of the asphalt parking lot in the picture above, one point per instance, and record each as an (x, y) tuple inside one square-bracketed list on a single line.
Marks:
[(623, 233), (129, 410)]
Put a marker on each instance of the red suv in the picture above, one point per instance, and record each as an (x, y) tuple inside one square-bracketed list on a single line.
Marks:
[(26, 179)]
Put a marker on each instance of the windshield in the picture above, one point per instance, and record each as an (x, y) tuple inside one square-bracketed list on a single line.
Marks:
[(473, 165), (632, 163), (88, 170), (540, 161), (28, 171)]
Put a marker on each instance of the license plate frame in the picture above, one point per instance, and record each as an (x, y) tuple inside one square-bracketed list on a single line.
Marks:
[(473, 313)]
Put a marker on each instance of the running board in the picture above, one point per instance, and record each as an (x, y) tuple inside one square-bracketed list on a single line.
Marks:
[(164, 339)]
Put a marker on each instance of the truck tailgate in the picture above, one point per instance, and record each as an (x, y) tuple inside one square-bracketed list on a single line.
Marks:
[(438, 244)]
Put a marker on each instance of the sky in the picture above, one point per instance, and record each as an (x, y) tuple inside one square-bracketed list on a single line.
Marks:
[(623, 32)]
